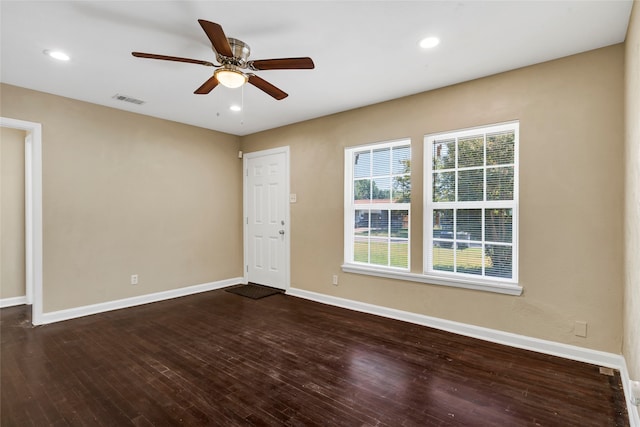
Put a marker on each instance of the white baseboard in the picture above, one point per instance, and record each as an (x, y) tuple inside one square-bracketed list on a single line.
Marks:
[(634, 411), (72, 313), (10, 302), (566, 351)]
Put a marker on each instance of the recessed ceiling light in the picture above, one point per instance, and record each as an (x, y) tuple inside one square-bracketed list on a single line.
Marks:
[(235, 108), (57, 54), (429, 42)]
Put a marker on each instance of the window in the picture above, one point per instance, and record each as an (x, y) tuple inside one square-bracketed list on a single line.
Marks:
[(377, 205), (471, 204), (470, 209)]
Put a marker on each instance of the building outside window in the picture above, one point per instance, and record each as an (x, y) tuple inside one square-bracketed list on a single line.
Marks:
[(471, 203), (377, 204)]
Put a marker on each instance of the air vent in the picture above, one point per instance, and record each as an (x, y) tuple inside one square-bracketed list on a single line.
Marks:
[(126, 98)]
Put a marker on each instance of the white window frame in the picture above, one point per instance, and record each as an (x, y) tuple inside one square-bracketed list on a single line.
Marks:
[(505, 285), (349, 226)]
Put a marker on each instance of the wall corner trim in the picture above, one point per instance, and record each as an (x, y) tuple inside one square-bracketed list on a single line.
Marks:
[(72, 313), (634, 411), (566, 351)]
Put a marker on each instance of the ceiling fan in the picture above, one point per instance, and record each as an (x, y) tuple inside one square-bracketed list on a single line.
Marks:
[(233, 55)]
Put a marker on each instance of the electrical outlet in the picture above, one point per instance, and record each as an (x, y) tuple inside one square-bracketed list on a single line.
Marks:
[(335, 280), (134, 279), (580, 328)]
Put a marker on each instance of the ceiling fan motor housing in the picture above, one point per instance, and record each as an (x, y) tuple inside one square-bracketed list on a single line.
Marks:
[(240, 50)]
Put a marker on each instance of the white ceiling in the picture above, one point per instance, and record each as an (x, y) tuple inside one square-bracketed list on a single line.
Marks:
[(365, 51)]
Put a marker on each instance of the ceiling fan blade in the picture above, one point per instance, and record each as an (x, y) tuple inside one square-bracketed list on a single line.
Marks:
[(171, 58), (207, 86), (283, 64), (218, 39), (267, 87)]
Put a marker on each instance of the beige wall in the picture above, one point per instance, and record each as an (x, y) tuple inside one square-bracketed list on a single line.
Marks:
[(12, 256), (571, 197), (631, 342), (129, 194)]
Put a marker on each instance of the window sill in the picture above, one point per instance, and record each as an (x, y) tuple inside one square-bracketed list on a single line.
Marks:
[(497, 287)]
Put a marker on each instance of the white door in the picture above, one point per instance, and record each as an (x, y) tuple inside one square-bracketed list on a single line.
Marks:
[(266, 217)]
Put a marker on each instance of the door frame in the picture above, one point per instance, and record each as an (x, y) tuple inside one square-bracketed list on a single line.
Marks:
[(33, 212), (245, 211)]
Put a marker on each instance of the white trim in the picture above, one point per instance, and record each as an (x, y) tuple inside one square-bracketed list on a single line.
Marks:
[(347, 211), (28, 211), (390, 142), (72, 313), (287, 217), (553, 348), (10, 302), (33, 212), (457, 282), (634, 411)]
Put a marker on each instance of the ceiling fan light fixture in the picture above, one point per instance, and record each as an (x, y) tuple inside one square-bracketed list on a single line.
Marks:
[(230, 77)]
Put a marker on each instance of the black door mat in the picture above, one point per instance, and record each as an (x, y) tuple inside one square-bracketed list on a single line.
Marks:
[(254, 291)]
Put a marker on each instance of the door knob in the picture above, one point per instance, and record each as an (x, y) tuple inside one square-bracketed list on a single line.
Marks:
[(281, 231)]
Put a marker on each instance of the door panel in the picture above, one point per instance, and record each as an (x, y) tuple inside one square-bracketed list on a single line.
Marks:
[(266, 221)]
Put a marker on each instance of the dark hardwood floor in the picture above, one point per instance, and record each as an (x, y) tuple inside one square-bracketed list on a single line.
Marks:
[(221, 359)]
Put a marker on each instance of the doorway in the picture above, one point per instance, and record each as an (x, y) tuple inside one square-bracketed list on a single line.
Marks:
[(266, 217), (33, 212)]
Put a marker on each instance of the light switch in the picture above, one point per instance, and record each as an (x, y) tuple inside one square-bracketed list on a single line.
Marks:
[(293, 198)]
